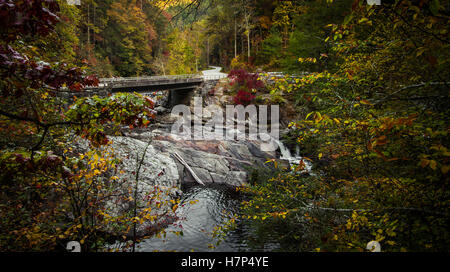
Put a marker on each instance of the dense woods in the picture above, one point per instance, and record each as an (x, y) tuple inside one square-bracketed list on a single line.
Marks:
[(50, 192), (371, 115), (365, 89)]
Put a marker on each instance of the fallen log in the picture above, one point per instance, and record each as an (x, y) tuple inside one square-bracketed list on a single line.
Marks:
[(183, 162)]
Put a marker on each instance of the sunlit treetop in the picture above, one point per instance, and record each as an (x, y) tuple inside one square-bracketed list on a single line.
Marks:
[(165, 4)]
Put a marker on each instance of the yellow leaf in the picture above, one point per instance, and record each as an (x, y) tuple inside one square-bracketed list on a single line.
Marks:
[(424, 162), (433, 164), (318, 116)]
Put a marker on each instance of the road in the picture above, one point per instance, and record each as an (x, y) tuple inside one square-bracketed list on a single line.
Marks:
[(213, 73)]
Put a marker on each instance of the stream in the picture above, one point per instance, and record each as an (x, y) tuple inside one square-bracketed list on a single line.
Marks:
[(202, 208)]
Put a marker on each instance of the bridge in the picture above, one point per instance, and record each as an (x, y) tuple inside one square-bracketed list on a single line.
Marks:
[(154, 83), (181, 87)]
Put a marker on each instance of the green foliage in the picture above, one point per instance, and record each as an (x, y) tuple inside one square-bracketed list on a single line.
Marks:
[(279, 31), (119, 38), (376, 131), (120, 109), (181, 54), (270, 54), (52, 191), (127, 24)]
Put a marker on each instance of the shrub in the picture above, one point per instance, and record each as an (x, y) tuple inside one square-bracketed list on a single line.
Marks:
[(244, 83), (243, 97), (239, 63)]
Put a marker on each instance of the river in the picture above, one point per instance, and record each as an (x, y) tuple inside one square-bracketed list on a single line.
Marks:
[(202, 208)]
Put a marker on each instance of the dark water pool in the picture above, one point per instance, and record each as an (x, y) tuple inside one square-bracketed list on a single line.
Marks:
[(214, 205)]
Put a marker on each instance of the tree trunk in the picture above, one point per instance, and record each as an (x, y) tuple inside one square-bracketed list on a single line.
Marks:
[(93, 38), (88, 32), (235, 38), (164, 70), (207, 52), (242, 46), (248, 45)]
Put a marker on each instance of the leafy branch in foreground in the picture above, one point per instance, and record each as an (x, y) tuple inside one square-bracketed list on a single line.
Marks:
[(377, 133), (53, 190)]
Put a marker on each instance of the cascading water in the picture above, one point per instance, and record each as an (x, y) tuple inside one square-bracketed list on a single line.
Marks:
[(293, 160)]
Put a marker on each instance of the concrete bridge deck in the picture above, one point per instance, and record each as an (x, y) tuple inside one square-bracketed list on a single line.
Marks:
[(181, 87), (154, 83)]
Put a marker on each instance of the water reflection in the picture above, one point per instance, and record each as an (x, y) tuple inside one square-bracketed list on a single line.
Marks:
[(201, 209)]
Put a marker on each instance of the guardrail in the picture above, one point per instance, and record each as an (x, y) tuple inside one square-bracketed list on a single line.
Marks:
[(152, 78), (213, 77), (104, 81)]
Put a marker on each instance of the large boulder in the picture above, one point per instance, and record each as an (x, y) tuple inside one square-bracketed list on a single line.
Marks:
[(152, 189)]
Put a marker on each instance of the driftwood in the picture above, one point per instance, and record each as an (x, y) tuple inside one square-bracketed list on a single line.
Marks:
[(183, 162)]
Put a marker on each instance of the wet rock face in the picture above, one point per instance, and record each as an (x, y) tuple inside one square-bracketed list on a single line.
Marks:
[(224, 162)]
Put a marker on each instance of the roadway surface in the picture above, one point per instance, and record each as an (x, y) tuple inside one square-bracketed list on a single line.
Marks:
[(213, 73)]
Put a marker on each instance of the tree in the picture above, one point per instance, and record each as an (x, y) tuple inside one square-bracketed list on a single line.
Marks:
[(132, 38), (50, 191), (376, 132)]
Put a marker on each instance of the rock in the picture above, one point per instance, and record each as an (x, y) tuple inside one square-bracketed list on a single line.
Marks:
[(225, 99), (158, 179), (161, 175), (131, 150), (161, 109), (203, 174), (238, 178)]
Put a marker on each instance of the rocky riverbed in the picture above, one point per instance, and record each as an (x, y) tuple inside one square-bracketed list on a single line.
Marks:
[(156, 152)]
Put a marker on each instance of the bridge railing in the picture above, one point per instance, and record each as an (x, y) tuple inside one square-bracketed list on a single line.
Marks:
[(161, 78), (152, 78), (213, 77)]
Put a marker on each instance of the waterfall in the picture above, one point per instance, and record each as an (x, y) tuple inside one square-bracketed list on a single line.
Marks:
[(285, 152), (293, 160)]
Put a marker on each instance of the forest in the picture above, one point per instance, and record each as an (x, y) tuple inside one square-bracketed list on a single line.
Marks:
[(363, 90)]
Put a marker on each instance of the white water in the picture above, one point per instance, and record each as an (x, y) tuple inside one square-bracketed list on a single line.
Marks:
[(293, 160)]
